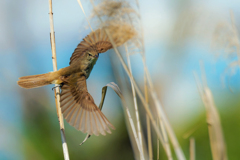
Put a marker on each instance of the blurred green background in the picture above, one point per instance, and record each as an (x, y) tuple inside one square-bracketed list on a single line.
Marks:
[(177, 35)]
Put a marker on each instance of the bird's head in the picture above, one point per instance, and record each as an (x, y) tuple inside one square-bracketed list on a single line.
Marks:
[(92, 55)]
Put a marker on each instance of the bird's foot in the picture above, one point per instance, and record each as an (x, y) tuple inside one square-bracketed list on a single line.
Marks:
[(59, 85)]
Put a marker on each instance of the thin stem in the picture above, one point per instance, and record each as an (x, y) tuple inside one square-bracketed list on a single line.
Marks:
[(158, 145), (158, 106), (146, 106), (160, 111), (134, 82), (80, 4), (217, 143), (57, 90), (161, 114), (192, 149), (165, 137), (117, 90), (135, 102), (149, 135)]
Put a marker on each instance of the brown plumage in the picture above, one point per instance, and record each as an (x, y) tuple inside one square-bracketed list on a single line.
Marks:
[(79, 109), (78, 106)]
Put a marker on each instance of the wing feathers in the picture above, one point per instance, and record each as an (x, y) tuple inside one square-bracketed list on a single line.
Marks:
[(81, 118), (67, 106), (85, 123), (80, 111), (77, 117), (91, 41)]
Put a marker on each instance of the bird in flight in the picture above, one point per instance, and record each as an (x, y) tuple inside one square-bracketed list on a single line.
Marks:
[(77, 105)]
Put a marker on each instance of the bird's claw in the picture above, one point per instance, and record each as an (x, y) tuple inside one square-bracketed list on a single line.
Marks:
[(56, 86)]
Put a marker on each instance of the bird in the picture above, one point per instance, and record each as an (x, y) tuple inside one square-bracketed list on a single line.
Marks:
[(77, 105)]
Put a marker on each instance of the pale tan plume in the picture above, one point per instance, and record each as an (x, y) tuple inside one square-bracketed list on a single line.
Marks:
[(36, 81), (80, 110)]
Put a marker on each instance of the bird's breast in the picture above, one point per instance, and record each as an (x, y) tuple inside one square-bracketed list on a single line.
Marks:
[(89, 68)]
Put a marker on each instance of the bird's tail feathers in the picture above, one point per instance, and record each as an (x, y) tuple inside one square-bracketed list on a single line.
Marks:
[(36, 81)]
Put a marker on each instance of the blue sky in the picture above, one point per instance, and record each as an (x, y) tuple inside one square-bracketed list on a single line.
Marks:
[(24, 43)]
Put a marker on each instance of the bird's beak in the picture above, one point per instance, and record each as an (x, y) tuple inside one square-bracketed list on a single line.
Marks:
[(97, 55)]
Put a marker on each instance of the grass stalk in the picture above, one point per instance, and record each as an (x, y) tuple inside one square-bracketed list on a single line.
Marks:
[(165, 137), (192, 149), (160, 111), (150, 150), (161, 114), (118, 92), (57, 90), (149, 138), (217, 143), (158, 145), (146, 106), (135, 102), (149, 134), (80, 4), (120, 82)]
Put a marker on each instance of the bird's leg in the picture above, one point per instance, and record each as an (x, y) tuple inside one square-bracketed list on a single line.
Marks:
[(59, 85), (104, 91), (88, 136)]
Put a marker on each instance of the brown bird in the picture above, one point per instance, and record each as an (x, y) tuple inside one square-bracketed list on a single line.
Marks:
[(78, 106)]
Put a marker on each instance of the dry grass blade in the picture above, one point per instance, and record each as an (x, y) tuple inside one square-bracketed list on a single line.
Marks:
[(149, 138), (177, 148), (217, 142), (192, 149), (146, 106), (214, 126), (161, 114), (80, 4), (118, 92), (137, 89), (57, 91), (135, 102), (165, 137), (158, 145), (149, 135)]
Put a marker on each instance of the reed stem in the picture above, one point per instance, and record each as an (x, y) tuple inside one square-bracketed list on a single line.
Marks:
[(57, 90)]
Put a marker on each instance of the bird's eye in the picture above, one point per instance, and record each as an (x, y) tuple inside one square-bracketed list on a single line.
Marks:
[(89, 54)]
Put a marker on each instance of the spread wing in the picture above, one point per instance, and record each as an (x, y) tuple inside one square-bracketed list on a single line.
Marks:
[(96, 40), (79, 109), (99, 41)]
